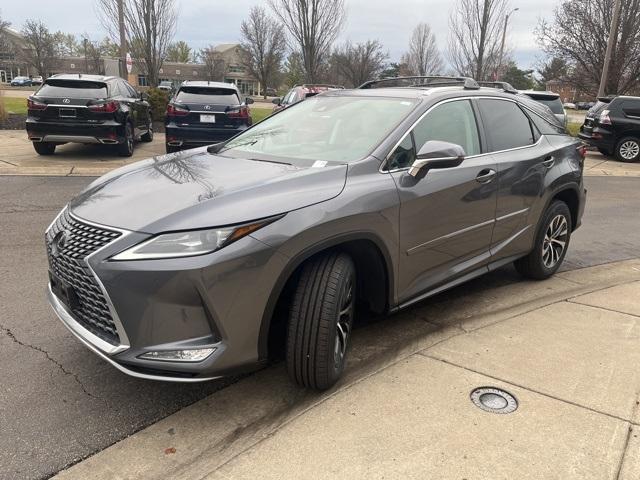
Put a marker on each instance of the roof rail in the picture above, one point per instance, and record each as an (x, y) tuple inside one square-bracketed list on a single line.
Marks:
[(421, 81), (507, 87), (315, 85)]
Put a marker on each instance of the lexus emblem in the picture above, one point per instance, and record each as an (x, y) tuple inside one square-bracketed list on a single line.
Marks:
[(66, 100), (207, 107), (59, 241)]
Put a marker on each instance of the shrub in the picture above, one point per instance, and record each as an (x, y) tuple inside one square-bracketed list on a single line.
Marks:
[(3, 111), (158, 99)]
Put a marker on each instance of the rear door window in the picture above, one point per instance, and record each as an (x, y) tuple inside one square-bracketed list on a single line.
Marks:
[(506, 124), (73, 89), (218, 96), (631, 108)]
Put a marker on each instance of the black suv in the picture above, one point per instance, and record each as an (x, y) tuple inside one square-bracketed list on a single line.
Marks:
[(202, 113), (88, 109), (613, 127)]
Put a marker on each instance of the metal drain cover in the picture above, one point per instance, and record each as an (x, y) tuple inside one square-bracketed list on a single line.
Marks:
[(494, 400)]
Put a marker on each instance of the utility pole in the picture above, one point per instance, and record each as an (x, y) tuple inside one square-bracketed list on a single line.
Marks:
[(504, 36), (123, 41), (611, 41)]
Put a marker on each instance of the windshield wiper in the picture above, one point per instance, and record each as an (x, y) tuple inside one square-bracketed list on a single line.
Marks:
[(218, 147), (269, 161)]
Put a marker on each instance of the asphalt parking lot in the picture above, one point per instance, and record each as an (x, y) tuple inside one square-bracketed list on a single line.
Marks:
[(60, 403)]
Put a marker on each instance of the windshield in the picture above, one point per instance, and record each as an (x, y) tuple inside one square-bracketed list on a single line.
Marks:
[(220, 96), (554, 104), (73, 89), (323, 128)]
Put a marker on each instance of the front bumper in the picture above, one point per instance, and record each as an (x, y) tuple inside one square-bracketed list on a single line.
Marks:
[(211, 301), (106, 133)]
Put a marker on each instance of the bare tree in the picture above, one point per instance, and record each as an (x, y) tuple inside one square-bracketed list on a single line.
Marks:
[(150, 27), (264, 46), (360, 62), (578, 35), (475, 32), (215, 66), (313, 26), (6, 45), (179, 52), (423, 57), (93, 53), (40, 49)]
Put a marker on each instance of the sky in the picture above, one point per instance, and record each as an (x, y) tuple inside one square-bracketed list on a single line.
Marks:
[(205, 22)]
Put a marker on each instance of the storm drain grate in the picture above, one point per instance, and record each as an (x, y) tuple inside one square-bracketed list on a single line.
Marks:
[(494, 400)]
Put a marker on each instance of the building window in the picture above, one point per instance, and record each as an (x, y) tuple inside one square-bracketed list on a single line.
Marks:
[(142, 81), (72, 65), (236, 69), (177, 72)]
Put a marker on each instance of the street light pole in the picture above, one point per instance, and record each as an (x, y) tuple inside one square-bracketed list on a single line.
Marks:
[(123, 41), (613, 35), (504, 35)]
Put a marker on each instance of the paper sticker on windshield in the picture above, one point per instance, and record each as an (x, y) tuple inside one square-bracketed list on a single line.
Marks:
[(318, 164)]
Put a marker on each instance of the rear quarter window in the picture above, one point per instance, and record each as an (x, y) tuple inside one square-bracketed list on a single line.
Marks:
[(218, 96), (72, 89)]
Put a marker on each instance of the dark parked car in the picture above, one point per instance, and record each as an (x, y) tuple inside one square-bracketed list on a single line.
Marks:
[(21, 82), (202, 113), (551, 100), (613, 127), (207, 262), (88, 109), (299, 93)]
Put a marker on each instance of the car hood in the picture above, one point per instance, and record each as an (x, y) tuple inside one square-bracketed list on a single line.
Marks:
[(195, 189)]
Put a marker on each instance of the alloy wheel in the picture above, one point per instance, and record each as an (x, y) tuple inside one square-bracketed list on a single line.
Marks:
[(344, 323), (629, 150), (129, 139), (555, 241)]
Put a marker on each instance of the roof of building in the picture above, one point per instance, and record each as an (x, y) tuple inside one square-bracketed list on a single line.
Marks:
[(223, 47)]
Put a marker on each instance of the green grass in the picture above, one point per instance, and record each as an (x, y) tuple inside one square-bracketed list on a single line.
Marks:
[(259, 113), (574, 128), (15, 105)]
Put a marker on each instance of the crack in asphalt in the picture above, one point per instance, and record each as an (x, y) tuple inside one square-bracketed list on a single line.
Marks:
[(13, 338)]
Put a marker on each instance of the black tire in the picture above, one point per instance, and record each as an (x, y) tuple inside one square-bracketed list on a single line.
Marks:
[(44, 148), (172, 149), (628, 149), (545, 258), (125, 149), (148, 136), (323, 306), (604, 152)]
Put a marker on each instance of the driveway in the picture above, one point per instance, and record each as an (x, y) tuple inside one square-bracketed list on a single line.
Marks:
[(60, 403)]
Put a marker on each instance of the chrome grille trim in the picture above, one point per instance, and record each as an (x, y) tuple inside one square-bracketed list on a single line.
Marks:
[(84, 255)]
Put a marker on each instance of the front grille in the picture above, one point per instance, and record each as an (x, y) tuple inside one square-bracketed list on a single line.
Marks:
[(68, 263)]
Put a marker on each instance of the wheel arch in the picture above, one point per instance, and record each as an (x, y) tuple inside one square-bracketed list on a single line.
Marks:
[(375, 277), (570, 195)]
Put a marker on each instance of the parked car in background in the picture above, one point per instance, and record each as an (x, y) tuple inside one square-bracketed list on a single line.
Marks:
[(551, 100), (21, 82), (271, 92), (82, 108), (202, 113), (205, 263), (569, 106), (167, 86), (613, 127), (300, 92), (584, 105), (36, 80)]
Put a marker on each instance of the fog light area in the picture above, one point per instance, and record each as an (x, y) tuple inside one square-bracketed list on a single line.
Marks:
[(192, 355)]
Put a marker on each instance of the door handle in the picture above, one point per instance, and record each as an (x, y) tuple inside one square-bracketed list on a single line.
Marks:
[(486, 175), (549, 161)]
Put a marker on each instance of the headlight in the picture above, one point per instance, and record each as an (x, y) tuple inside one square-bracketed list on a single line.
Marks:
[(190, 243)]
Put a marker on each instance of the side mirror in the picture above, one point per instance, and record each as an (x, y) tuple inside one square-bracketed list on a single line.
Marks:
[(276, 101), (248, 101), (437, 154)]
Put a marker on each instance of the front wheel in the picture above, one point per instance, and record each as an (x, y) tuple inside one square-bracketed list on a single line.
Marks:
[(551, 243), (320, 321), (628, 150), (44, 148)]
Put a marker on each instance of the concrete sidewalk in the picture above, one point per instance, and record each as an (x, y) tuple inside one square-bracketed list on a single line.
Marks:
[(567, 349), (17, 157)]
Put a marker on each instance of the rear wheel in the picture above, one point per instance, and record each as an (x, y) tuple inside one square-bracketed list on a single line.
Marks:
[(125, 149), (551, 243), (44, 148), (628, 149), (320, 321), (148, 137)]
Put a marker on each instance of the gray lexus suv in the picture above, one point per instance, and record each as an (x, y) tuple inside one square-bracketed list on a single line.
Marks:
[(208, 262)]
